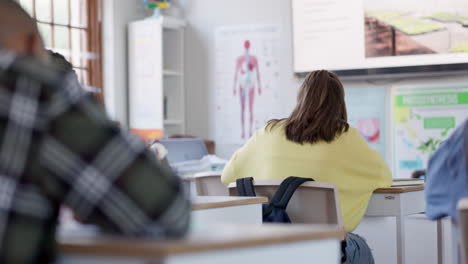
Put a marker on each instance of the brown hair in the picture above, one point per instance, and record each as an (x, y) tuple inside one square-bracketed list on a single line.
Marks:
[(320, 113)]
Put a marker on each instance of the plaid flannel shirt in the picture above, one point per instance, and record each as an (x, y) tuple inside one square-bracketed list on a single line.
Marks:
[(57, 147)]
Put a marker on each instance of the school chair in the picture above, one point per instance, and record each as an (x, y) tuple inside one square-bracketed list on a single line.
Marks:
[(312, 203), (208, 184)]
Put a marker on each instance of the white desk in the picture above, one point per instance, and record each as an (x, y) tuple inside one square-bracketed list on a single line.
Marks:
[(434, 238), (384, 224), (273, 244), (208, 210)]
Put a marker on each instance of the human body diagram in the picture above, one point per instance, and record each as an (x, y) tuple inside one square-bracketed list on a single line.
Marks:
[(245, 84)]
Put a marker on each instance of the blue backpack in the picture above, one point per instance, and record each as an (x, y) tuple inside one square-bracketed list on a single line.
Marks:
[(275, 210)]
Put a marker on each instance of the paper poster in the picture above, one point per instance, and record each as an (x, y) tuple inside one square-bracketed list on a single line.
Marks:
[(422, 119), (247, 80), (366, 112)]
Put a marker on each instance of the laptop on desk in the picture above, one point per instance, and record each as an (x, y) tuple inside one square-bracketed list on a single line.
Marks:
[(184, 149)]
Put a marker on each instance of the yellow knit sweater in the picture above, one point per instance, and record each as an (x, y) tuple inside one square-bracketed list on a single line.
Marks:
[(348, 162)]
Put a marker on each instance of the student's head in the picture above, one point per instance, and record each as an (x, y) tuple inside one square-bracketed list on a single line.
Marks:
[(320, 113), (18, 31)]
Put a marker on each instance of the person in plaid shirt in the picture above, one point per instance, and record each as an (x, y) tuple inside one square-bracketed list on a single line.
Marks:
[(57, 147)]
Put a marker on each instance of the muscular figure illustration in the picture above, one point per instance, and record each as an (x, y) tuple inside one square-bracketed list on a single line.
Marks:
[(246, 67)]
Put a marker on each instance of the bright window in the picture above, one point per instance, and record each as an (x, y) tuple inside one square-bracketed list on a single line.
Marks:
[(72, 28)]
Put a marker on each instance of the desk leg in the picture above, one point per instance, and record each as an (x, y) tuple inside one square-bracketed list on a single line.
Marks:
[(445, 243), (455, 244), (400, 221)]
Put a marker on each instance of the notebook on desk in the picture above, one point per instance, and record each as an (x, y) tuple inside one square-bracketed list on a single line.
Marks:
[(407, 182)]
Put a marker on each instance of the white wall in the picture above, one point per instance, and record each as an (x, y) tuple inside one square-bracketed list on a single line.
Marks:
[(116, 16), (203, 17)]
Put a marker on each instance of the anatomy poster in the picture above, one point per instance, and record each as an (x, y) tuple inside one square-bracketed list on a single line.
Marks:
[(366, 107), (247, 80), (422, 119)]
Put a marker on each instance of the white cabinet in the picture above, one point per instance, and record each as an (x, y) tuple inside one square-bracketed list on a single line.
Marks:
[(156, 77), (173, 76)]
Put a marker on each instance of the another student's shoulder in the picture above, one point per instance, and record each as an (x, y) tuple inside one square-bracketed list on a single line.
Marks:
[(465, 128), (459, 136)]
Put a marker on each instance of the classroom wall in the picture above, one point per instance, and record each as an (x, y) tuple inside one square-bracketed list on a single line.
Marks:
[(116, 16), (204, 16)]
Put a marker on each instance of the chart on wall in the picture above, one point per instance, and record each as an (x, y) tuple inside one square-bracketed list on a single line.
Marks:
[(247, 80), (366, 112), (422, 119)]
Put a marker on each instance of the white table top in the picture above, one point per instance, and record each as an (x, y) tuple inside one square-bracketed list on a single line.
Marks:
[(209, 239)]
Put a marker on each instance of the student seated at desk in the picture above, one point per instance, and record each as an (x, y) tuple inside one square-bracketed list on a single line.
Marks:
[(316, 141), (57, 147), (447, 174)]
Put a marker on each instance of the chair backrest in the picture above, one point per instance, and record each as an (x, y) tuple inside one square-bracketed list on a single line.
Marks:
[(312, 203), (463, 227), (209, 184)]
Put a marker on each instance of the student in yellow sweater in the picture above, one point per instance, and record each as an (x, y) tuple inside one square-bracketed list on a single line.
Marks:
[(316, 141)]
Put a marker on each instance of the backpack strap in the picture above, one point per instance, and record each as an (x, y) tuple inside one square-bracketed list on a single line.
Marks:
[(245, 187), (286, 191)]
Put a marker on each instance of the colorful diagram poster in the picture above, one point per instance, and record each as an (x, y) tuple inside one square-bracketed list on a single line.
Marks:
[(422, 119), (247, 80), (366, 112)]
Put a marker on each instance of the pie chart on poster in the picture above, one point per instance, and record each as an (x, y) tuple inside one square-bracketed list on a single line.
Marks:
[(369, 128)]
